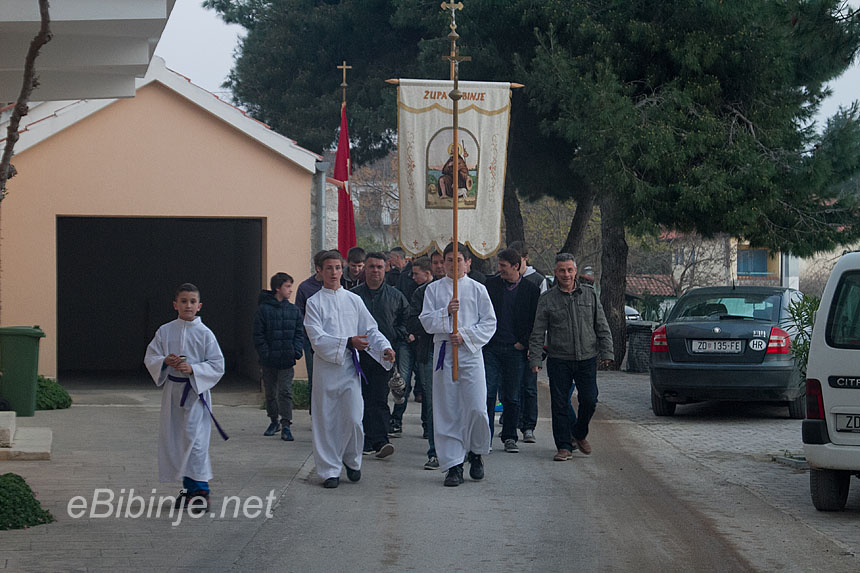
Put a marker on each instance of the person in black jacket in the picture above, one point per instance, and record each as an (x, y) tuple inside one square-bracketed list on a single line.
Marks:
[(505, 356), (390, 309), (279, 339)]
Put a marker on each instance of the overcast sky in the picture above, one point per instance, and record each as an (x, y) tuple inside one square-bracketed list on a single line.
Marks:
[(199, 45)]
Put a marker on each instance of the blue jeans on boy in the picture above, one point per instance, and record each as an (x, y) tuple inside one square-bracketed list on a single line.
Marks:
[(424, 377), (405, 365), (567, 425), (504, 367)]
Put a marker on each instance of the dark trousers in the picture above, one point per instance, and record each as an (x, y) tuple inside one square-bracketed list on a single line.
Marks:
[(504, 366), (562, 375), (375, 394), (424, 380), (405, 366), (309, 362), (528, 400), (278, 385)]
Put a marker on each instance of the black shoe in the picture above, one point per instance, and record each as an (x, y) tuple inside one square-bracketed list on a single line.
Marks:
[(384, 451), (286, 434), (272, 429), (198, 502), (396, 430), (331, 483), (181, 499), (353, 475), (476, 466), (454, 477)]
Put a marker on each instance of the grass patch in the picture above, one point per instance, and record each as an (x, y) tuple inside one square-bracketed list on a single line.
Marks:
[(50, 395), (19, 507)]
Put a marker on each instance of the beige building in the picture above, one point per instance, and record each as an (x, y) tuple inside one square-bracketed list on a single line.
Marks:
[(117, 201)]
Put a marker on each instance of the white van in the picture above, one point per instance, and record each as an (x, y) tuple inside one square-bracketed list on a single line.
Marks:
[(831, 430)]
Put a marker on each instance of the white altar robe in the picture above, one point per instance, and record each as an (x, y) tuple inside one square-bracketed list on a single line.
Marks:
[(332, 317), (460, 423), (183, 437)]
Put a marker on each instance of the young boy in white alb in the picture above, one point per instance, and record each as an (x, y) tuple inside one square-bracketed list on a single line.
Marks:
[(186, 357)]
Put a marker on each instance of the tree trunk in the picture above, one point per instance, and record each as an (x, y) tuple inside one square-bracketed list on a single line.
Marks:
[(613, 280), (513, 217), (578, 226)]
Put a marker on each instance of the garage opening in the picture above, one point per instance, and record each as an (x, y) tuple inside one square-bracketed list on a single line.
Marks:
[(115, 283)]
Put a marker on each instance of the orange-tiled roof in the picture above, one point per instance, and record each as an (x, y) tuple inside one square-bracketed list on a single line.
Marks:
[(659, 285)]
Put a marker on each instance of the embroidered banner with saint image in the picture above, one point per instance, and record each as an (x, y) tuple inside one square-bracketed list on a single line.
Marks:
[(426, 153)]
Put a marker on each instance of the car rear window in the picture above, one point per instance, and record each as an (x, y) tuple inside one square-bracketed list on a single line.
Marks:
[(750, 305), (843, 323)]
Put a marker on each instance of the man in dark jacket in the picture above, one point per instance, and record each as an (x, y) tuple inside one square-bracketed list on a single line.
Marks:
[(279, 338), (505, 357), (390, 309), (423, 354)]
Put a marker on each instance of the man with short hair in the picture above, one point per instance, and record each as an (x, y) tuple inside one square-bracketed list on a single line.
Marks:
[(571, 319), (461, 430), (352, 276), (505, 357), (340, 328), (423, 351), (437, 264), (390, 309)]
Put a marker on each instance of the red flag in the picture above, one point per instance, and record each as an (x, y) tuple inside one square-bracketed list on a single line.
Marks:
[(345, 215)]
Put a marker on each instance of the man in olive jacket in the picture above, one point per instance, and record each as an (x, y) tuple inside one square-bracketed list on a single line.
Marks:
[(569, 316)]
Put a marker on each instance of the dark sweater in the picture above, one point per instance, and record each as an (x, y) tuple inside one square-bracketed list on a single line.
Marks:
[(525, 305)]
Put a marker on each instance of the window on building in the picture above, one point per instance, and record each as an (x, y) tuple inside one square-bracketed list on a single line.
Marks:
[(752, 262)]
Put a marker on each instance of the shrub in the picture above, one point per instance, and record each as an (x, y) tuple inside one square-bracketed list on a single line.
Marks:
[(19, 507), (51, 396), (801, 314)]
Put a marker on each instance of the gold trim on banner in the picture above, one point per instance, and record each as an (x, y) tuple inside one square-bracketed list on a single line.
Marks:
[(438, 107)]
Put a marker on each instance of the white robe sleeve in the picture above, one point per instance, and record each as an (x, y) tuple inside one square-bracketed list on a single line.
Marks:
[(327, 346), (435, 320), (156, 352), (482, 327), (207, 373), (378, 343)]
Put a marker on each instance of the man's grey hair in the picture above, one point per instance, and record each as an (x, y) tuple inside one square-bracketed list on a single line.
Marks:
[(564, 257)]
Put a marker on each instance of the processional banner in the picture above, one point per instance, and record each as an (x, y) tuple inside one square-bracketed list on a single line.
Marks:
[(426, 153)]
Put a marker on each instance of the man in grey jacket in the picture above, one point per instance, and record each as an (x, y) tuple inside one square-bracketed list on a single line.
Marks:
[(571, 318)]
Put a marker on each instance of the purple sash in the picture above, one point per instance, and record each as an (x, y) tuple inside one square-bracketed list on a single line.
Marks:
[(441, 361), (357, 363), (186, 391)]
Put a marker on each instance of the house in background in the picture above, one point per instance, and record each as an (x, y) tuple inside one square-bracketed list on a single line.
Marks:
[(117, 201)]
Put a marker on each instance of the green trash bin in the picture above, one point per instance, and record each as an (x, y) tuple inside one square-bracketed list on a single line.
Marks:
[(19, 366)]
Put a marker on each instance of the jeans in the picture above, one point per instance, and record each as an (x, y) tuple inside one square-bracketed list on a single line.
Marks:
[(375, 394), (504, 367), (405, 366), (309, 361), (278, 385), (567, 425), (528, 400), (424, 377)]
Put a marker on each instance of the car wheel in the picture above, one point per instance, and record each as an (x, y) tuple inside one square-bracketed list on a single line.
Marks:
[(829, 489), (661, 406), (797, 408)]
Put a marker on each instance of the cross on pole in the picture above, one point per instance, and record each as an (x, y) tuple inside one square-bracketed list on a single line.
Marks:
[(344, 67)]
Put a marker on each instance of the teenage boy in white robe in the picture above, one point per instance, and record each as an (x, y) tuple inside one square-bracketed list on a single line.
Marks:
[(186, 357), (339, 326), (460, 424)]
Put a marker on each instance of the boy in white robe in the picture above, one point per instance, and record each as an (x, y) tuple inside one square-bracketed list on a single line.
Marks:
[(185, 355), (339, 326), (460, 424)]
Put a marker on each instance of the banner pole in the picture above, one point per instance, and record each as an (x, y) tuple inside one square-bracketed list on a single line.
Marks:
[(455, 60)]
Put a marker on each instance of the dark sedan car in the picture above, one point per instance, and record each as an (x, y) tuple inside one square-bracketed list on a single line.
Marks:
[(727, 343)]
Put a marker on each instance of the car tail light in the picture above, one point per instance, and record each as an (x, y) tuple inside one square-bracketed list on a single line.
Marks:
[(779, 343), (814, 400), (659, 340)]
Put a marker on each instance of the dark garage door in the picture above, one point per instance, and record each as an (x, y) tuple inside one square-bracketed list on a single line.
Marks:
[(116, 278)]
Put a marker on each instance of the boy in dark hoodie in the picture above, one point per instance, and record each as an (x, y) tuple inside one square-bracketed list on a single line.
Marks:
[(279, 339)]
